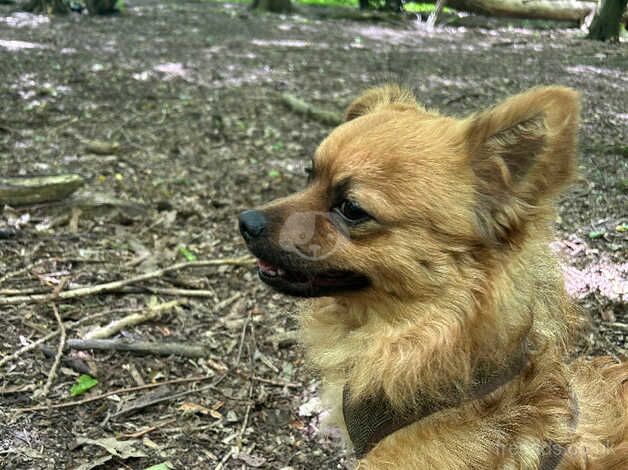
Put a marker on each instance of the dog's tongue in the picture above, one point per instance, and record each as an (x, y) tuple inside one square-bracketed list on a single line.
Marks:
[(264, 266), (268, 268)]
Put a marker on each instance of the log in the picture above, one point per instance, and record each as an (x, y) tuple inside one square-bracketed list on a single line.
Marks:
[(562, 10), (20, 191)]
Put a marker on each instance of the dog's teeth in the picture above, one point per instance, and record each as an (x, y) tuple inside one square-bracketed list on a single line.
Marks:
[(271, 272), (281, 272)]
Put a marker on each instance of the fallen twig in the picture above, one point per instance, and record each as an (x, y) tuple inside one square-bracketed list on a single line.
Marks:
[(224, 459), (111, 286), (142, 432), (131, 320), (181, 292), (54, 334), (119, 391), (28, 347), (223, 303), (145, 347), (19, 271), (621, 326), (318, 114), (161, 399), (55, 365), (73, 363), (242, 336), (276, 383)]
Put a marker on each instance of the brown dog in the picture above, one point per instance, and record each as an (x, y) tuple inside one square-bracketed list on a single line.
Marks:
[(440, 324)]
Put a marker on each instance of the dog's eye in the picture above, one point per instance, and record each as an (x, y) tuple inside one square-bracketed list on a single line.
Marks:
[(352, 212)]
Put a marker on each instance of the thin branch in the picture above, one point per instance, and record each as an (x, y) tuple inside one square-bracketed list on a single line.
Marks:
[(223, 303), (276, 383), (19, 271), (28, 347), (55, 365), (145, 347), (55, 333), (242, 336), (174, 396), (119, 391), (110, 286), (433, 18), (149, 429), (224, 460), (181, 292), (313, 112), (131, 320)]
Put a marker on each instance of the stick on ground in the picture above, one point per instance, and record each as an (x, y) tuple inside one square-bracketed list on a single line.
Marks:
[(131, 320), (111, 286), (55, 365), (118, 391), (145, 347), (313, 112)]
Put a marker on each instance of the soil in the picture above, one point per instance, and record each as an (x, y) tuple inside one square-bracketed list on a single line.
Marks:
[(174, 109)]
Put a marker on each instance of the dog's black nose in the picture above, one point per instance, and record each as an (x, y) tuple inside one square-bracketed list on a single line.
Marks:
[(252, 224)]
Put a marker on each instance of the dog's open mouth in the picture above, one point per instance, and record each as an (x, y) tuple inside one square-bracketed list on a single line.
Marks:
[(305, 284)]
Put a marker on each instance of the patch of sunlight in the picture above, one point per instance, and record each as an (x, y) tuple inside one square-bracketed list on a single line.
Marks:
[(601, 71), (380, 34), (290, 165), (19, 45), (236, 75), (609, 278), (283, 43), (621, 116), (142, 76), (23, 20), (599, 273), (171, 70)]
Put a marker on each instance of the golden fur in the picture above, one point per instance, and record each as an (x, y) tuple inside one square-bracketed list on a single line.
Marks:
[(460, 271)]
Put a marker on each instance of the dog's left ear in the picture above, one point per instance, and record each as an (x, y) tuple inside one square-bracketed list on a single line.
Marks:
[(393, 96), (523, 151)]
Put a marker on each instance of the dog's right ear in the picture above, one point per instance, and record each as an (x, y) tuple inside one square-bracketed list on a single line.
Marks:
[(393, 96)]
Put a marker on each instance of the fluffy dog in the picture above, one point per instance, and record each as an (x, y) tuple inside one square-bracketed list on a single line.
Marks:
[(438, 318)]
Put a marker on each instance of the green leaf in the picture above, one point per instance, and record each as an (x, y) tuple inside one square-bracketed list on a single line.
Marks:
[(82, 385), (274, 174), (594, 234), (621, 228), (167, 465), (187, 254)]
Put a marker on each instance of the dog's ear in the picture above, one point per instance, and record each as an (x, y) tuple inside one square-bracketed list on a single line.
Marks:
[(388, 95), (523, 151)]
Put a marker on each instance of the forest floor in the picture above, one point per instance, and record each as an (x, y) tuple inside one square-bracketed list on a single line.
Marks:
[(172, 115)]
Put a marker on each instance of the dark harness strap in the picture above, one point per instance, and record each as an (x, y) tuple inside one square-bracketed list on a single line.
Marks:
[(371, 420), (555, 452)]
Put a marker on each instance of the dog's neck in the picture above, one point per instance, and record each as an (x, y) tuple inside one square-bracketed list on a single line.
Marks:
[(420, 346), (381, 343), (372, 419)]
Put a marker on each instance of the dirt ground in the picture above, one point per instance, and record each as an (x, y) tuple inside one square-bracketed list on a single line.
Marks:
[(174, 110)]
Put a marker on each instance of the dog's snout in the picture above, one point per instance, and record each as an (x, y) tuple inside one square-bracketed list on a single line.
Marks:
[(252, 224)]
